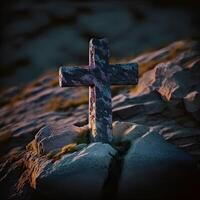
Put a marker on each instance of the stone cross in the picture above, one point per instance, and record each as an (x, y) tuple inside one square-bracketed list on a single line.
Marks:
[(99, 76)]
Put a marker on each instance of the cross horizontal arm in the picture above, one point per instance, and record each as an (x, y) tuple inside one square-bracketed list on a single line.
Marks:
[(74, 76), (123, 74)]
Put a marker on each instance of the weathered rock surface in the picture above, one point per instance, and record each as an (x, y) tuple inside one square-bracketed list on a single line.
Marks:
[(79, 175), (150, 165), (53, 122)]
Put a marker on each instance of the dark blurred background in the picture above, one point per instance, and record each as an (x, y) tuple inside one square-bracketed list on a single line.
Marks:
[(39, 35)]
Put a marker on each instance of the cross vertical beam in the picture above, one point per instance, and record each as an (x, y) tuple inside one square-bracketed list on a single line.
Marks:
[(100, 99)]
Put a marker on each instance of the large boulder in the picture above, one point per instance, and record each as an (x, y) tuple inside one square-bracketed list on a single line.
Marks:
[(155, 169), (79, 175)]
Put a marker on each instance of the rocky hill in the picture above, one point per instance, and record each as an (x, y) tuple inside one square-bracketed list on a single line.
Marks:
[(45, 144)]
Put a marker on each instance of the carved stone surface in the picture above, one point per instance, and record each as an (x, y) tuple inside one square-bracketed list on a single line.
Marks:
[(99, 75)]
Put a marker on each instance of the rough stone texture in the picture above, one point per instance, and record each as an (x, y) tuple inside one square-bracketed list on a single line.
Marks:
[(80, 175), (168, 108), (100, 117), (150, 166)]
